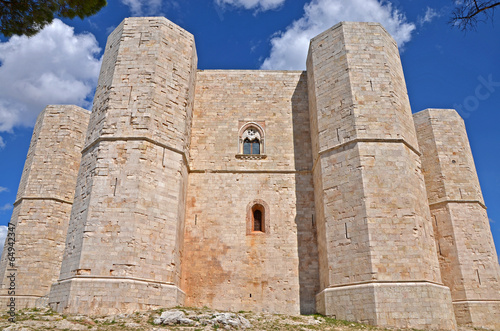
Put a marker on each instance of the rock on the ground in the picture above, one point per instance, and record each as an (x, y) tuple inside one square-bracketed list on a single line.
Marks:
[(232, 320), (173, 317), (132, 325), (67, 325)]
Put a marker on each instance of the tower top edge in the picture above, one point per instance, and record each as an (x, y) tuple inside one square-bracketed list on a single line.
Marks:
[(436, 111), (351, 24), (68, 107), (155, 19)]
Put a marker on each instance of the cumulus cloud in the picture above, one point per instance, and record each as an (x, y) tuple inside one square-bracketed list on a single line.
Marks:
[(3, 189), (56, 66), (7, 206), (289, 47), (252, 4), (143, 7), (3, 235), (430, 15)]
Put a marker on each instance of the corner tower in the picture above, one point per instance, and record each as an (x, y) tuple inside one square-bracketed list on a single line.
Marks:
[(43, 205), (377, 255), (467, 255), (124, 242)]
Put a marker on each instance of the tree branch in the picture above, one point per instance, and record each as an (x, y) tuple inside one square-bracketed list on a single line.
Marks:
[(477, 11), (466, 15)]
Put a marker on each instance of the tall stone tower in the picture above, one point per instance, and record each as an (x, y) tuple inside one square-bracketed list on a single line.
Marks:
[(126, 229), (467, 256), (43, 204), (377, 255)]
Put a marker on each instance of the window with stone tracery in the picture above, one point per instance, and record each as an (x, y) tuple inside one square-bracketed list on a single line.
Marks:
[(251, 141)]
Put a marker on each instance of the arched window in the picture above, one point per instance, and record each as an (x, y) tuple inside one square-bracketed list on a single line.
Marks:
[(257, 217), (251, 141)]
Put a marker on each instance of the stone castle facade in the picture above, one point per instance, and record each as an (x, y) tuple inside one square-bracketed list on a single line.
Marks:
[(280, 191)]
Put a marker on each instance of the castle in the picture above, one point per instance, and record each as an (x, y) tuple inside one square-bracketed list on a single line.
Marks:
[(280, 191)]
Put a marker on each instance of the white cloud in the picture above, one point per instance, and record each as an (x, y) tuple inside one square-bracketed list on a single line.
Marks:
[(289, 48), (2, 144), (3, 235), (7, 206), (53, 67), (144, 7), (430, 15), (3, 189), (252, 4)]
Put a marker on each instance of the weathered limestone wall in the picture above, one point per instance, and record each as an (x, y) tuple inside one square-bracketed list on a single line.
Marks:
[(43, 204), (467, 255), (377, 255), (226, 267), (124, 243)]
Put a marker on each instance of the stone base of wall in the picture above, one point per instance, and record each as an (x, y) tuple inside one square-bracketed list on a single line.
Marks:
[(106, 296), (419, 305), (478, 314), (21, 302)]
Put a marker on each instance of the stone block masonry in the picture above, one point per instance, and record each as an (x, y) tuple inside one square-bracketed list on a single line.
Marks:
[(230, 267), (278, 191), (377, 257), (43, 203), (124, 243), (467, 255)]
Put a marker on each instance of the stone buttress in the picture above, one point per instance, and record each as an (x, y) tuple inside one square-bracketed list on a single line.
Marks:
[(377, 256), (43, 205), (124, 242), (467, 255)]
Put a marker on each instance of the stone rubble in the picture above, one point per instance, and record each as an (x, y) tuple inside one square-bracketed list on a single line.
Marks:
[(226, 320)]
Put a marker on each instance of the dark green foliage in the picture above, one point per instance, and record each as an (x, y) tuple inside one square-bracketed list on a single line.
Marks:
[(27, 17)]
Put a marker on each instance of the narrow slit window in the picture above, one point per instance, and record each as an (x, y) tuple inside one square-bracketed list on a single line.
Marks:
[(257, 220)]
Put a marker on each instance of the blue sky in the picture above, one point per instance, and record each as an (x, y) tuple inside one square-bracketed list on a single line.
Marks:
[(444, 67)]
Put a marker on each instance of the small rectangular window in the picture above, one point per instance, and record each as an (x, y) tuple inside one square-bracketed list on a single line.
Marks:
[(257, 220), (247, 147), (255, 147)]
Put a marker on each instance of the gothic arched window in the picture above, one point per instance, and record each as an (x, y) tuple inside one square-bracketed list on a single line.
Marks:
[(251, 141)]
